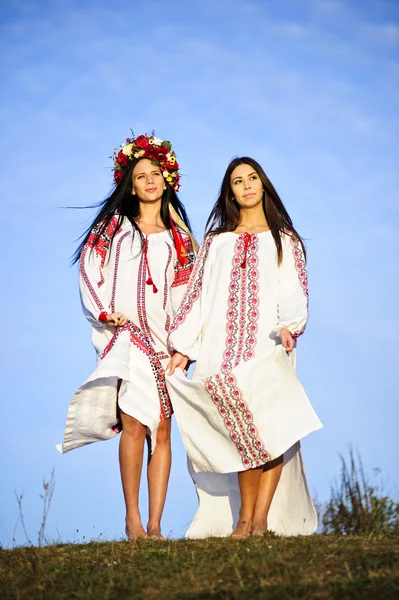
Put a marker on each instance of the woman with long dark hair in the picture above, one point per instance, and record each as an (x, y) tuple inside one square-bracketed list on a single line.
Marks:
[(135, 261), (245, 411)]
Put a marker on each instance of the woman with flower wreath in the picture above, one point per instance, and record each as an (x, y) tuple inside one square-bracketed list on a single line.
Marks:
[(135, 262), (244, 411)]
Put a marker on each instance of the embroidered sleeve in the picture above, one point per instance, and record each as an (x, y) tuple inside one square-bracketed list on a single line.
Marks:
[(91, 272), (293, 288), (185, 330)]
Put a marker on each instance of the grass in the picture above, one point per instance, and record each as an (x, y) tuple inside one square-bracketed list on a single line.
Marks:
[(358, 504), (316, 567)]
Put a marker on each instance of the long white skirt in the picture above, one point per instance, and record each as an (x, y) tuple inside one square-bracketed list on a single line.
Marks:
[(239, 420)]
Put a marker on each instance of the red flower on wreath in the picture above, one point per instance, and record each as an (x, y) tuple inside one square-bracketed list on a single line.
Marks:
[(141, 142), (160, 153), (122, 159)]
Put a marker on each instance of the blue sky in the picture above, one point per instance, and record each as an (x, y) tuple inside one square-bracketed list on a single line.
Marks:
[(310, 90)]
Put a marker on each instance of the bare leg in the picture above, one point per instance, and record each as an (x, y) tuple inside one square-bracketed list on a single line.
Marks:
[(158, 476), (267, 487), (248, 482), (131, 449)]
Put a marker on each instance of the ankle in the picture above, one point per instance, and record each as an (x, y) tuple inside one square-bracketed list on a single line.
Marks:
[(259, 522), (245, 517), (133, 520)]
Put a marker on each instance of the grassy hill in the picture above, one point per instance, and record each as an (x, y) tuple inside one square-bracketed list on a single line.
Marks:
[(316, 567)]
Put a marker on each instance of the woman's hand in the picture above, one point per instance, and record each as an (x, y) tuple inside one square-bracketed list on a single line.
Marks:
[(116, 319), (287, 341), (178, 361)]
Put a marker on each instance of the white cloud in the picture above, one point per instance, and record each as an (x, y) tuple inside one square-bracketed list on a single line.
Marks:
[(387, 34)]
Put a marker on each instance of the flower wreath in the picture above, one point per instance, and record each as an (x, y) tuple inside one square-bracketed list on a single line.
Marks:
[(148, 146)]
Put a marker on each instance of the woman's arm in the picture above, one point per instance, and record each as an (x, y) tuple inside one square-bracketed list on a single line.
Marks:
[(95, 301), (292, 291)]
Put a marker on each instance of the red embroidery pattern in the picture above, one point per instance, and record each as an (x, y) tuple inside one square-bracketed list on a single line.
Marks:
[(300, 264), (86, 279), (141, 298), (243, 301), (101, 249), (162, 355), (183, 272), (103, 242), (166, 287), (117, 257), (233, 318), (141, 342), (194, 286), (237, 418), (253, 299)]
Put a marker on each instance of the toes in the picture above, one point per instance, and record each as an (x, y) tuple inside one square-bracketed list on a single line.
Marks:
[(133, 533)]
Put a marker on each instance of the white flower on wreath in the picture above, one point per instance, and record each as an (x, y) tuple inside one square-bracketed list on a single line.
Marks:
[(127, 150), (155, 141), (138, 153), (165, 174)]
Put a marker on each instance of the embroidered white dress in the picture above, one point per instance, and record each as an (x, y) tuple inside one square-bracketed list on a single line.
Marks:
[(244, 404), (147, 286)]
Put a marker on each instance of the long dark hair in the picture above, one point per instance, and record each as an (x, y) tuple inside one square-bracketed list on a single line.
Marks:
[(225, 215), (122, 202)]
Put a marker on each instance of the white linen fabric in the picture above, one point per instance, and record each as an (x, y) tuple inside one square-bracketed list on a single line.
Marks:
[(244, 405), (147, 285)]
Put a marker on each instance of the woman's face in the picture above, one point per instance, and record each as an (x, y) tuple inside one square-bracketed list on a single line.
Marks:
[(246, 186), (148, 182)]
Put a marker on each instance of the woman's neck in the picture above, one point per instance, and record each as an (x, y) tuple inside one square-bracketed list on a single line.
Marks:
[(252, 220), (150, 217)]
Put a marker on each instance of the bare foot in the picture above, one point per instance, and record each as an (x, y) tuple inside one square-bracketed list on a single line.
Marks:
[(154, 533), (259, 529), (135, 530), (242, 530)]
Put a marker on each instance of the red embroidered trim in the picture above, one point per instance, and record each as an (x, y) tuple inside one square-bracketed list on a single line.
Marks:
[(117, 257), (149, 281), (253, 299), (141, 297), (103, 242), (232, 306), (162, 355), (166, 287), (194, 287), (243, 301), (183, 271), (237, 419), (86, 279), (300, 264), (242, 309), (141, 342)]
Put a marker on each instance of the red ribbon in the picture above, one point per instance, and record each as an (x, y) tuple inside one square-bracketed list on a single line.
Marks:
[(179, 244)]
